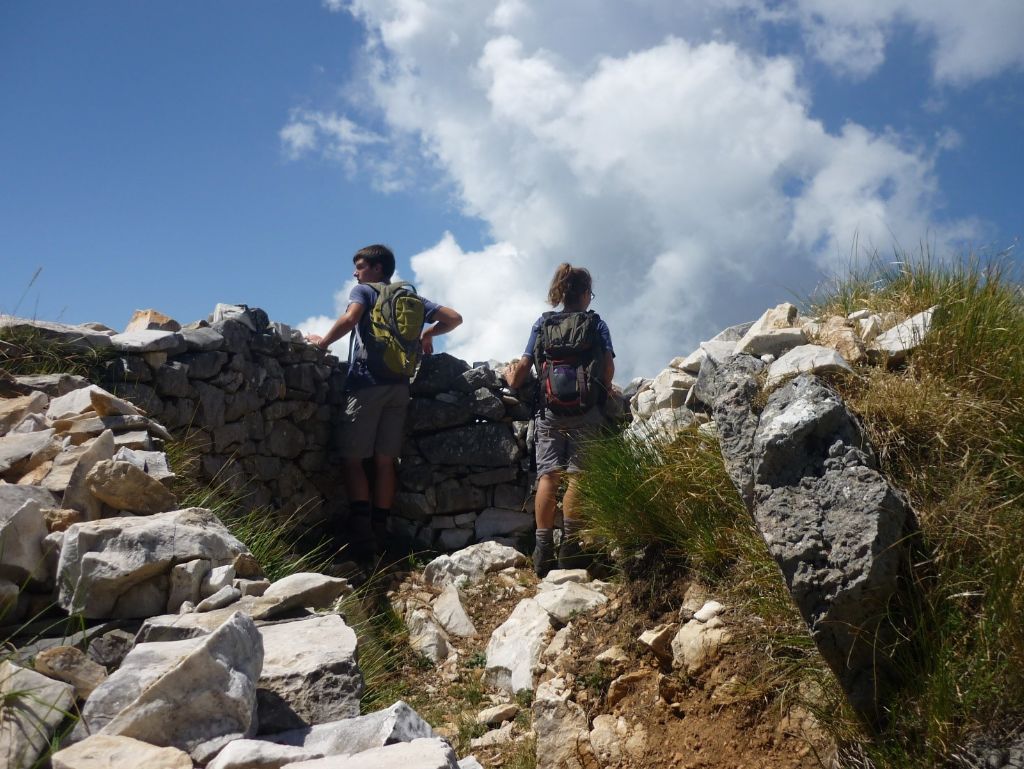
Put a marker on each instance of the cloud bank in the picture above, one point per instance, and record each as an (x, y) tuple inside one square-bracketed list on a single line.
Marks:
[(650, 142)]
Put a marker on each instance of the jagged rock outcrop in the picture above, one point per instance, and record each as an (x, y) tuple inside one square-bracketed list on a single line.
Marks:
[(832, 522)]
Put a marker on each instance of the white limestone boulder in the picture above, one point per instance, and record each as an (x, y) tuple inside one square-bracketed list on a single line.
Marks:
[(21, 453), (565, 601), (22, 531), (77, 495), (398, 723), (698, 644), (808, 358), (307, 589), (34, 706), (310, 674), (110, 751), (195, 695), (259, 754), (892, 346), (432, 753), (515, 646), (123, 486), (14, 410), (671, 387), (451, 614), (102, 560), (563, 734), (426, 636), (472, 564)]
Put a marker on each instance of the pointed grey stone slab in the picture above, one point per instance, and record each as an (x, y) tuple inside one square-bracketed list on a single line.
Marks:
[(149, 340)]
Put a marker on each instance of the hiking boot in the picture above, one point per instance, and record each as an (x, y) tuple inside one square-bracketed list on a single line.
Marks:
[(571, 555), (362, 542), (544, 554)]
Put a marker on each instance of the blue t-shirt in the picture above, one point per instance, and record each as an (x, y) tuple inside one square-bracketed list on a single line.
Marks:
[(359, 375), (603, 334)]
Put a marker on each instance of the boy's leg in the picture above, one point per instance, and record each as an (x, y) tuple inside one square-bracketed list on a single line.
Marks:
[(387, 446), (362, 415)]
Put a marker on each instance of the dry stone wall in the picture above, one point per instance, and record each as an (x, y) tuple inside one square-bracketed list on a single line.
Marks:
[(262, 408), (255, 402), (465, 471)]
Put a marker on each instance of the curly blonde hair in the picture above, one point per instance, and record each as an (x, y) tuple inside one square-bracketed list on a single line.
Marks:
[(569, 284)]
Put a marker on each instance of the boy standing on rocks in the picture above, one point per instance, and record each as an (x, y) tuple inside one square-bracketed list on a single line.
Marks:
[(376, 402)]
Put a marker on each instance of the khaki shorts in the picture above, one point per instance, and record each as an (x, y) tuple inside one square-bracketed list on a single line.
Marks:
[(374, 421), (560, 439)]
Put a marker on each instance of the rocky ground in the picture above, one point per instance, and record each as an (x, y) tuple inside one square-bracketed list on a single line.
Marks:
[(603, 696)]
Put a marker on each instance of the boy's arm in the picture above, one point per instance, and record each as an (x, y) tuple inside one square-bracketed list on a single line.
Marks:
[(445, 319), (347, 321)]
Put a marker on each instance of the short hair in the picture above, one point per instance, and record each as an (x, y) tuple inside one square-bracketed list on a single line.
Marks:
[(377, 254), (569, 284)]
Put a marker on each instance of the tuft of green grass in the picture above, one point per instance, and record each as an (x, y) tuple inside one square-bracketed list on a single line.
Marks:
[(383, 644), (635, 492), (25, 351)]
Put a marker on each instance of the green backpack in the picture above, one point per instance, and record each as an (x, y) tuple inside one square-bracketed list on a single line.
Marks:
[(396, 322)]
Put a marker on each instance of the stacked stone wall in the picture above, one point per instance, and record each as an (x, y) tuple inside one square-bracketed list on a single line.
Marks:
[(254, 402), (465, 471), (261, 407)]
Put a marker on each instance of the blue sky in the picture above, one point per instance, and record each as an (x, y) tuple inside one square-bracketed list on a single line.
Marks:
[(705, 160)]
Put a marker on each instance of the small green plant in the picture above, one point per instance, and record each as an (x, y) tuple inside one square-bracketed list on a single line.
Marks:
[(521, 754), (524, 698), (477, 659), (383, 643)]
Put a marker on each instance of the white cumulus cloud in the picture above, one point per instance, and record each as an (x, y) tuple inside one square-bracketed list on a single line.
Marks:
[(634, 138)]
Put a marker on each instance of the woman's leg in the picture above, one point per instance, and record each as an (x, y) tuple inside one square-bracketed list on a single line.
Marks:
[(544, 514), (569, 554)]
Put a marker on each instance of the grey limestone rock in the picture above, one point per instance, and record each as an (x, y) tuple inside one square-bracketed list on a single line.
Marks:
[(440, 373), (149, 340), (729, 389), (310, 675), (26, 729), (195, 695), (836, 528), (490, 444), (76, 337), (398, 723), (202, 339), (101, 560), (428, 415)]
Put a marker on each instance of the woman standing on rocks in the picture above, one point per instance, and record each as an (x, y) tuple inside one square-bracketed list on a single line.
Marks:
[(572, 351)]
